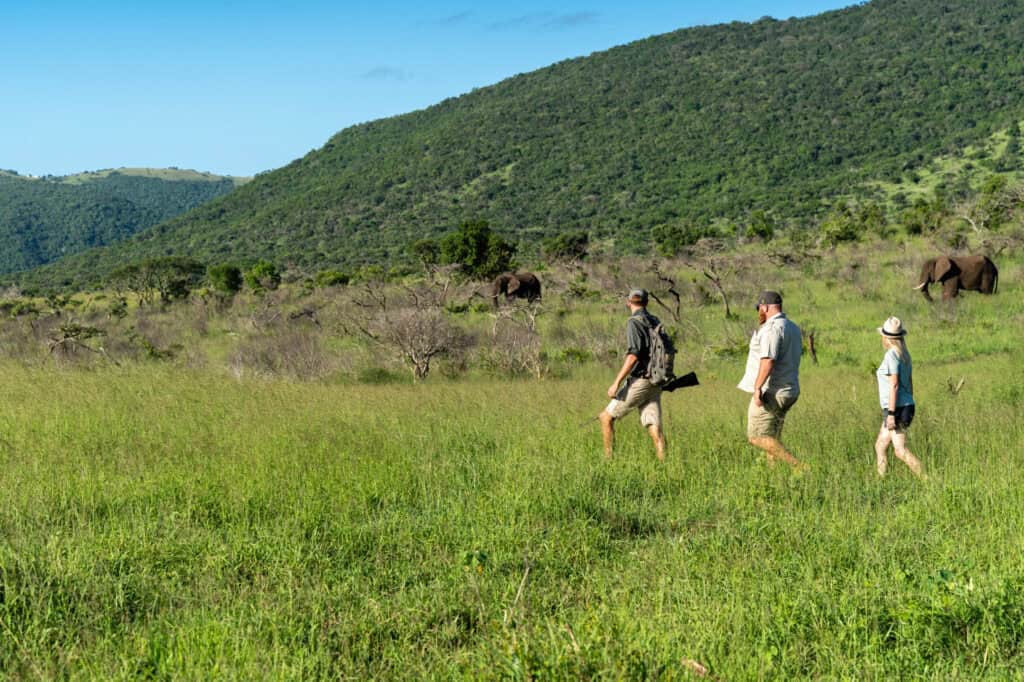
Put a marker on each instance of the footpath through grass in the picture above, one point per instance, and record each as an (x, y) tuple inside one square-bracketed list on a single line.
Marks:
[(155, 523)]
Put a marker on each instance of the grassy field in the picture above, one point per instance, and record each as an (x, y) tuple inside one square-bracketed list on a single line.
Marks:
[(166, 522)]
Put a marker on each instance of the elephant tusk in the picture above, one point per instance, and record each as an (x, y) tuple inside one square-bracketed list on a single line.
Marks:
[(920, 286)]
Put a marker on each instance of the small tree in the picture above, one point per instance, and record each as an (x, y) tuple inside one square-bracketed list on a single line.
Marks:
[(225, 278), (761, 226), (262, 277), (569, 246), (413, 325), (922, 216), (479, 252), (426, 251), (840, 225), (420, 335), (170, 278)]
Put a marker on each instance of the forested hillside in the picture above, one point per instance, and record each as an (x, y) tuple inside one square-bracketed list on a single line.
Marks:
[(43, 219), (703, 124)]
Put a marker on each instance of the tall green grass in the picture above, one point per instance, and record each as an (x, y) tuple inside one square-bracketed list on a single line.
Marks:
[(171, 523)]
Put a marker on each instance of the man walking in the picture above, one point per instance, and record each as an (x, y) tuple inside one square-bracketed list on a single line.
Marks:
[(638, 392), (772, 376)]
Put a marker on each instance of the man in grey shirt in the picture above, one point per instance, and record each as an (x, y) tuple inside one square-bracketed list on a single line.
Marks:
[(638, 393), (773, 377)]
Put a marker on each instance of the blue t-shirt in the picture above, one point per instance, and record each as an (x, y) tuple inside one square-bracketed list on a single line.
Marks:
[(891, 364)]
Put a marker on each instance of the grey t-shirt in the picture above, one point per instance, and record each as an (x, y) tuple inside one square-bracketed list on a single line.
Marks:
[(638, 340), (779, 339)]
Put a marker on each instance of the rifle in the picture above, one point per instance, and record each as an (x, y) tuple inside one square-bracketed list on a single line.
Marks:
[(684, 381)]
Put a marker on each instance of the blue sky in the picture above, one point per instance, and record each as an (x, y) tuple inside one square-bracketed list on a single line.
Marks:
[(241, 86)]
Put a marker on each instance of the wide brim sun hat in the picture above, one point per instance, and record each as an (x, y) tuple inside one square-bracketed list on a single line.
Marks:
[(892, 328)]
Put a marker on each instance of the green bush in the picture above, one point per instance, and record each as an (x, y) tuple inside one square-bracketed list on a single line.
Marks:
[(379, 375), (672, 238), (225, 278), (262, 277), (426, 251), (568, 246), (479, 251), (761, 226), (331, 278), (841, 225)]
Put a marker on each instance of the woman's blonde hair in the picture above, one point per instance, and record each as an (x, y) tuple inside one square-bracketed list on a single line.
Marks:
[(898, 344)]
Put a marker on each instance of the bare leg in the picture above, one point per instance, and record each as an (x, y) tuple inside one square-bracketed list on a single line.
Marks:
[(776, 451), (882, 450), (658, 436), (899, 442), (607, 433)]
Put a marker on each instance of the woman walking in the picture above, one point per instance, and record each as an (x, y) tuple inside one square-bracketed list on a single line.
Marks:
[(896, 394)]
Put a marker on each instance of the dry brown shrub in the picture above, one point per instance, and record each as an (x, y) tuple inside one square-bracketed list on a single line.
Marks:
[(294, 354), (513, 350)]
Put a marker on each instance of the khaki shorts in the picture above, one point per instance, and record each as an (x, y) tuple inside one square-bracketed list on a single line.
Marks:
[(769, 419), (640, 395)]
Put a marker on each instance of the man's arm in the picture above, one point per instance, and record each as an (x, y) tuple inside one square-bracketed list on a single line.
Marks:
[(763, 371), (627, 367)]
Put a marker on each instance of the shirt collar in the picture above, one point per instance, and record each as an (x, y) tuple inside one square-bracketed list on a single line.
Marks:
[(778, 314)]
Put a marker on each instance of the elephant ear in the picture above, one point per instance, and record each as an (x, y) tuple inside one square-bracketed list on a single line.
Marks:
[(943, 268), (513, 284)]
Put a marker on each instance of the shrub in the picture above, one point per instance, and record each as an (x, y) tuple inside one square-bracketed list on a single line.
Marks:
[(262, 277), (294, 354), (331, 278), (514, 352), (840, 225), (569, 246), (671, 239), (225, 278), (761, 226), (378, 375)]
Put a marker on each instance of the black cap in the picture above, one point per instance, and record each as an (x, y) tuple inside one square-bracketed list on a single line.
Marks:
[(769, 298)]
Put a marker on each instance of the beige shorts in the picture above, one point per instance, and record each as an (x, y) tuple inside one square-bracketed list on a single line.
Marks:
[(640, 395), (768, 419)]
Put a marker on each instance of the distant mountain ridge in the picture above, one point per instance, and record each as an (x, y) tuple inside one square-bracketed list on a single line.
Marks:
[(50, 217), (702, 124), (171, 173)]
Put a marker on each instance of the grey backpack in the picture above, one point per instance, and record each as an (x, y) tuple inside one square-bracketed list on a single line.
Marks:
[(661, 363)]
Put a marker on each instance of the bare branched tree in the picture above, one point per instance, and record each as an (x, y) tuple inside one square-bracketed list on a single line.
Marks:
[(713, 270), (670, 291), (420, 335), (436, 289), (415, 327)]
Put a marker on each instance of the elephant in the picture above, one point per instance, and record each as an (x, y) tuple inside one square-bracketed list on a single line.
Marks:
[(977, 273), (515, 284)]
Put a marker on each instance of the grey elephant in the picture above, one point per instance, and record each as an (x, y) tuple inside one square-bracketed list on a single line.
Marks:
[(515, 284), (974, 273)]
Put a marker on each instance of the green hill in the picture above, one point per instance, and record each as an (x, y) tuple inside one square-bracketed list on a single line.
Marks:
[(701, 124), (43, 219)]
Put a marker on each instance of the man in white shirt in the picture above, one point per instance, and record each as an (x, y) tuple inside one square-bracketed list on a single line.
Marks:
[(773, 377)]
